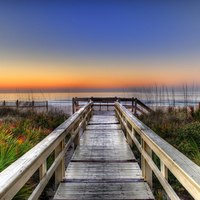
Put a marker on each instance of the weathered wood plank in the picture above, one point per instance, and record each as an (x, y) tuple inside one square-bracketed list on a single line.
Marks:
[(102, 165), (103, 171), (103, 145), (103, 127), (133, 190), (103, 119)]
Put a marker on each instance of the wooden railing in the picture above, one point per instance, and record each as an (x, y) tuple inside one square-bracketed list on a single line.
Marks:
[(186, 171), (133, 104), (17, 174), (25, 104)]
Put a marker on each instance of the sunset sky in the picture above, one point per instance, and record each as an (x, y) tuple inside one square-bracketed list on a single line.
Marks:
[(98, 45)]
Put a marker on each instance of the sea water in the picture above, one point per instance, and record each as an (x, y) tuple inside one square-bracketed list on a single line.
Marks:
[(149, 98)]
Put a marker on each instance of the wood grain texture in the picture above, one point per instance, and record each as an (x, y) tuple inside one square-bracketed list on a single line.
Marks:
[(186, 171), (133, 190), (103, 165), (17, 174)]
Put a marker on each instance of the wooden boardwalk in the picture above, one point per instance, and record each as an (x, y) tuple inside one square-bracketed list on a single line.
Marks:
[(103, 165)]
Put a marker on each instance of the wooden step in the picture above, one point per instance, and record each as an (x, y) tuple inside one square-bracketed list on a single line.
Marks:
[(98, 170), (128, 190)]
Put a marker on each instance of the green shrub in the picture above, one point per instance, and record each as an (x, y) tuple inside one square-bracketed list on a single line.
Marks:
[(181, 128), (19, 132)]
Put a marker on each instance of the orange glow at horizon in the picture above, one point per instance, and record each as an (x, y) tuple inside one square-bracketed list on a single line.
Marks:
[(97, 74)]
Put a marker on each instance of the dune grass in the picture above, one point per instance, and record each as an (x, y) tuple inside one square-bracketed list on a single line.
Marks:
[(19, 132), (181, 128)]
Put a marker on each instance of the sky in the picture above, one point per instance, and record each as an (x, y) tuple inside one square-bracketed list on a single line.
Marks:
[(98, 45)]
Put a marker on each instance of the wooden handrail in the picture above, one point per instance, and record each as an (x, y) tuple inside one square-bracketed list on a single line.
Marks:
[(144, 106), (186, 171), (110, 102), (29, 104), (17, 174)]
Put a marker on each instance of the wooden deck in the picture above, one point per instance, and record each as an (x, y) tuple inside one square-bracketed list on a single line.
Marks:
[(103, 165)]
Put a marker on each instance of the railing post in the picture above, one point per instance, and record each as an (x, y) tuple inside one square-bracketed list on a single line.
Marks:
[(88, 115), (132, 104), (84, 121), (164, 170), (32, 105), (73, 105), (17, 104), (60, 171), (135, 111), (146, 169), (128, 137), (47, 106), (42, 170), (120, 120), (91, 110), (77, 138)]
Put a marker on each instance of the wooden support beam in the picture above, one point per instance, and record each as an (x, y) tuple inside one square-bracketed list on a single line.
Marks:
[(47, 106), (33, 105), (42, 170), (84, 121), (73, 106), (77, 138), (132, 103), (146, 169), (60, 171), (17, 104), (164, 170), (128, 137), (135, 111)]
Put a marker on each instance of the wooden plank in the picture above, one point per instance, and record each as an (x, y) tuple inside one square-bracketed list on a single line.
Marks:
[(103, 145), (128, 190), (84, 153), (99, 119), (91, 170), (111, 111), (103, 126), (103, 166)]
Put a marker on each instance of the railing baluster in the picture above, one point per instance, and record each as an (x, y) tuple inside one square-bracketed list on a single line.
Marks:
[(77, 138), (88, 115), (128, 137), (42, 170), (59, 172), (146, 169), (164, 170), (135, 111), (84, 121)]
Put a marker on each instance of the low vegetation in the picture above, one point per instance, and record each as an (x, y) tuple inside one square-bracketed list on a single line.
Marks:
[(19, 132), (181, 128)]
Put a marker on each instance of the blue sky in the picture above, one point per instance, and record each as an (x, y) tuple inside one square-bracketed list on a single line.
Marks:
[(121, 44)]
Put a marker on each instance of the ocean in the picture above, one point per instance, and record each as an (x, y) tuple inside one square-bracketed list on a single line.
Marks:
[(149, 98)]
